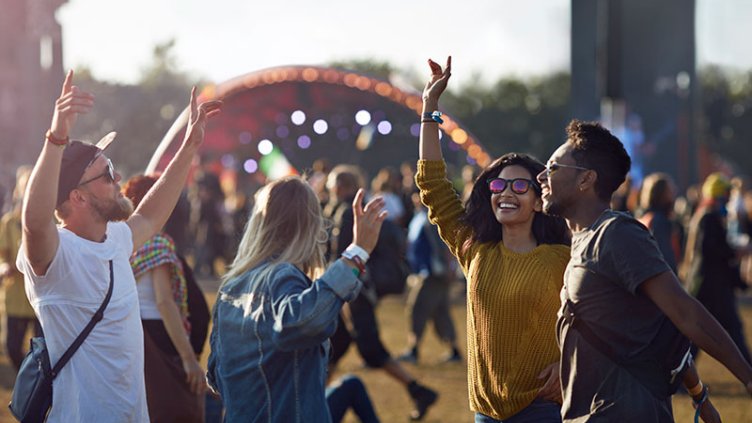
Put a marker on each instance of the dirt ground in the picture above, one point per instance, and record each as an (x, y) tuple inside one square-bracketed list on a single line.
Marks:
[(449, 379)]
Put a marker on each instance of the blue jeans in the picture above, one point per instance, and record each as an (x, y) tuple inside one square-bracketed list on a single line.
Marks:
[(539, 411), (349, 392)]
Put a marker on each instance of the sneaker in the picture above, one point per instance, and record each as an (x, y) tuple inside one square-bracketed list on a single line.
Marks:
[(452, 357), (409, 356), (422, 398)]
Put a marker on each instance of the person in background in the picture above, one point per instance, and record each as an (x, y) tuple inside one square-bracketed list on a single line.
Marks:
[(278, 305), (513, 257), (174, 379), (361, 326), (20, 316), (432, 278), (657, 206), (713, 264)]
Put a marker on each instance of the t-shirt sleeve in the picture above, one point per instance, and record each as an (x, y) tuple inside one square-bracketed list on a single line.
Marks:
[(631, 254), (58, 269)]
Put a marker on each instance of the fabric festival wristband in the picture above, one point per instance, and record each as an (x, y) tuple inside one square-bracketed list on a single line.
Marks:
[(357, 250)]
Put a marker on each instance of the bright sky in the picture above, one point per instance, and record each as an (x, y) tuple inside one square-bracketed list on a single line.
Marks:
[(222, 39)]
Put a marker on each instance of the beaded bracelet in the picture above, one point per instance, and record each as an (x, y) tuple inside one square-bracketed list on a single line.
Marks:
[(50, 137)]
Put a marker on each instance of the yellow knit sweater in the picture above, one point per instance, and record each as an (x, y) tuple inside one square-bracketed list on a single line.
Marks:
[(512, 301)]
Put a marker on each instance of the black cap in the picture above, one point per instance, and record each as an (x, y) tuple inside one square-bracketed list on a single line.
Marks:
[(77, 156)]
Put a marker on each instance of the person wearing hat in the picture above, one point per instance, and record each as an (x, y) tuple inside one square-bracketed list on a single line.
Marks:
[(712, 264), (67, 266)]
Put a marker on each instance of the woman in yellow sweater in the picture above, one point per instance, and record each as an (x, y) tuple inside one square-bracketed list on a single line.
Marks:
[(513, 257)]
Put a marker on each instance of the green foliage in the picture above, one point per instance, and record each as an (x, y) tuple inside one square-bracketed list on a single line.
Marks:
[(514, 115), (375, 68), (726, 115), (141, 114)]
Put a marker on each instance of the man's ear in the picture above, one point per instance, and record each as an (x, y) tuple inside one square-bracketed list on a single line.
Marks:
[(77, 197), (588, 180)]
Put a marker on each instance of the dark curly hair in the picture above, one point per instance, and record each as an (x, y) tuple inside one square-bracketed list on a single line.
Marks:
[(594, 147), (480, 216)]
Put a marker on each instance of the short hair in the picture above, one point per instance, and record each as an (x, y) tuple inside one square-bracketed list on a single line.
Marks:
[(346, 176), (595, 148)]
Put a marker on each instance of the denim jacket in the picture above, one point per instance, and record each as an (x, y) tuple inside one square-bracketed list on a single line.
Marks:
[(270, 342)]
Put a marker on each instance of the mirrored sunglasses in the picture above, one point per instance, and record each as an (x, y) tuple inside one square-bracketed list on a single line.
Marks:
[(517, 185)]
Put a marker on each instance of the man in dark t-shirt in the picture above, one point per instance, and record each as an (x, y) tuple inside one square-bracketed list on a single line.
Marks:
[(621, 288)]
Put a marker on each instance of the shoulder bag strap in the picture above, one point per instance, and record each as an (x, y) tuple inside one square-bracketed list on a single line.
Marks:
[(594, 340), (84, 333)]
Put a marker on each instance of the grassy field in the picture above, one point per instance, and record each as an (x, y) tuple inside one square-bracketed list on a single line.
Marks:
[(393, 405)]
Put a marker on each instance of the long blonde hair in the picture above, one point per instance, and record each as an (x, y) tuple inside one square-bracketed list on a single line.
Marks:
[(285, 226)]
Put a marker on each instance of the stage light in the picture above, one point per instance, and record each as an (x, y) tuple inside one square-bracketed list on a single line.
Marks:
[(384, 127), (265, 147), (415, 129), (304, 141), (320, 126), (250, 166), (228, 161), (363, 117), (283, 131), (244, 137), (298, 117)]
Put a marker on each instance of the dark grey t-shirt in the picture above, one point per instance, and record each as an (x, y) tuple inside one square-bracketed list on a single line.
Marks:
[(609, 262)]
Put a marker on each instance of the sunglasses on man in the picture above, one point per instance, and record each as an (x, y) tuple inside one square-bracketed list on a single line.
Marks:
[(552, 167), (517, 185), (109, 172)]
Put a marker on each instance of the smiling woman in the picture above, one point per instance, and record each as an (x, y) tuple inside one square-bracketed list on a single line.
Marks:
[(513, 257)]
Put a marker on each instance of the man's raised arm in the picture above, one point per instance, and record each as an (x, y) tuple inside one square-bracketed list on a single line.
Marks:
[(40, 238), (158, 203)]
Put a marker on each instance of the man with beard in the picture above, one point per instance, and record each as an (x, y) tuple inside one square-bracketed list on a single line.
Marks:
[(68, 268), (619, 290)]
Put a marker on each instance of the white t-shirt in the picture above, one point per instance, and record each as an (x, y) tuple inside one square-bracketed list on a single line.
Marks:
[(104, 380), (147, 298)]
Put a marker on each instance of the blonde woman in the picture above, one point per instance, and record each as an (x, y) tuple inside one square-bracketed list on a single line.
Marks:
[(278, 306)]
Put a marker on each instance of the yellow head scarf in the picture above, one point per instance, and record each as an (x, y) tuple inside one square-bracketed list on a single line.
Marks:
[(715, 186)]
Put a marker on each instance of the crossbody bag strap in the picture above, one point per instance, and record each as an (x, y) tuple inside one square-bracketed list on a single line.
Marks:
[(84, 333), (570, 316)]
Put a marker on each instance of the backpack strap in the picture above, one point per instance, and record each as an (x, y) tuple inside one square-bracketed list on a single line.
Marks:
[(84, 333)]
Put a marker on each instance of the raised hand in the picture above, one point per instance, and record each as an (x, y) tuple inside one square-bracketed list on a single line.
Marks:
[(69, 105), (438, 81), (199, 114), (367, 221)]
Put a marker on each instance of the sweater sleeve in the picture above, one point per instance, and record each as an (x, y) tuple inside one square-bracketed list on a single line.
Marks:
[(444, 206)]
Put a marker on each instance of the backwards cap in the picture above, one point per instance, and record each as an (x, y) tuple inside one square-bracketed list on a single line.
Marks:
[(77, 156)]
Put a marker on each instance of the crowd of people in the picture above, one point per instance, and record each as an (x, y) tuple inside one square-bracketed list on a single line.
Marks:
[(580, 294)]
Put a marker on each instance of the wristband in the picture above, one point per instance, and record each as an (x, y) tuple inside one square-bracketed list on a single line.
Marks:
[(696, 390), (361, 267), (435, 115), (50, 137), (357, 250)]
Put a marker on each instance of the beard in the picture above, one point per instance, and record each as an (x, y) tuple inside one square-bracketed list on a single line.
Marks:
[(113, 210), (554, 208)]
